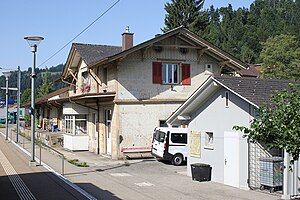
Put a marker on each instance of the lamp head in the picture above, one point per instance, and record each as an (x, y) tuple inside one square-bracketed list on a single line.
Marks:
[(6, 74), (33, 41)]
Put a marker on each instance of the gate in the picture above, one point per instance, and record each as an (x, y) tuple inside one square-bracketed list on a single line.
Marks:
[(265, 168)]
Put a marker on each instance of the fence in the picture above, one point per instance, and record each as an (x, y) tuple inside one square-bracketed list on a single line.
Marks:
[(25, 143), (265, 168)]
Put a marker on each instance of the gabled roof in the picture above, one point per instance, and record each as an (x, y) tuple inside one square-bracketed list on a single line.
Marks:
[(45, 98), (181, 31), (95, 55), (91, 53), (252, 71), (255, 91)]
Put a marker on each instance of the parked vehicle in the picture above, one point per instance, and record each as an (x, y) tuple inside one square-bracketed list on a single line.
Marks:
[(170, 144), (12, 118)]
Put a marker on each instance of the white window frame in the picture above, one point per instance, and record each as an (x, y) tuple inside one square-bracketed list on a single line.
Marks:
[(226, 99), (70, 123), (165, 74), (209, 140)]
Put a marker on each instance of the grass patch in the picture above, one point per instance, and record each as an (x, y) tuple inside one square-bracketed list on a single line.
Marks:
[(77, 163), (2, 125)]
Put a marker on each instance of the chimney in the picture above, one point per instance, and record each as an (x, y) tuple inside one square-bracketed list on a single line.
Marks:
[(127, 39)]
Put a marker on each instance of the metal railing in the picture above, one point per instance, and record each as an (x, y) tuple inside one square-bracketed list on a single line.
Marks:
[(41, 145), (61, 155)]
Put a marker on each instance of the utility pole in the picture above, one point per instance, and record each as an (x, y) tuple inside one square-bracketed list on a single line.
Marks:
[(19, 103), (6, 109), (7, 75)]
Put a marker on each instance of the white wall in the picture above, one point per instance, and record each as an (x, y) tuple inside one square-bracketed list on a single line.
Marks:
[(217, 118), (135, 75), (74, 109), (137, 122)]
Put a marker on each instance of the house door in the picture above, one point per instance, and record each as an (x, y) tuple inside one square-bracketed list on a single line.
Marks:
[(108, 116), (231, 159)]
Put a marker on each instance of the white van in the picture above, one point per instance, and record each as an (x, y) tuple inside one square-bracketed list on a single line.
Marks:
[(170, 144)]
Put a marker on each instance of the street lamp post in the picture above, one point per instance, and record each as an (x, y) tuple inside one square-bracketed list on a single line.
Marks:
[(19, 103), (33, 41), (7, 75)]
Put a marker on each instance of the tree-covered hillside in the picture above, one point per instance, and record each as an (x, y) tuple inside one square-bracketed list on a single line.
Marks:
[(241, 31), (54, 76)]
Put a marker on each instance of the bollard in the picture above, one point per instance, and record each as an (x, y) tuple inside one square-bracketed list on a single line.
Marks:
[(10, 134), (63, 166), (40, 153)]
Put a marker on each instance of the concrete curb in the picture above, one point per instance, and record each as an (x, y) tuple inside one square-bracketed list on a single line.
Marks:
[(61, 177)]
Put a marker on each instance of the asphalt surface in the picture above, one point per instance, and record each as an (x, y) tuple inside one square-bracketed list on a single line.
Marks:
[(14, 165), (143, 179)]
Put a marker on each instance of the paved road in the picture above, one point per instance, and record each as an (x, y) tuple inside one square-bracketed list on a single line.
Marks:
[(20, 181), (149, 179), (141, 179)]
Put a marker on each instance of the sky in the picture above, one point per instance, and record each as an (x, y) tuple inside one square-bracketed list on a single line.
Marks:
[(58, 21)]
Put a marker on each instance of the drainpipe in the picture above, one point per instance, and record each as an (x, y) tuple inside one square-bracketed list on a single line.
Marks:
[(98, 128), (286, 179)]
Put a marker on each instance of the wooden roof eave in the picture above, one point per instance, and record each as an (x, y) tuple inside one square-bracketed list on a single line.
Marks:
[(70, 57), (136, 48), (217, 51), (193, 40)]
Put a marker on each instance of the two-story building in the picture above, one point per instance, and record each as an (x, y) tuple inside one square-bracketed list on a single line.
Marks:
[(118, 95)]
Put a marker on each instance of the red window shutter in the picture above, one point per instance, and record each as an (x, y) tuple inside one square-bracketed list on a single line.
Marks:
[(186, 74), (157, 72)]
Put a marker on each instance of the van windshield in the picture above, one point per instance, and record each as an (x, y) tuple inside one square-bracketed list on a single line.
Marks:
[(159, 136)]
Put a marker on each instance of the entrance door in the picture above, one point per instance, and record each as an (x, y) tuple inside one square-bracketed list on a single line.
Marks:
[(108, 115), (231, 159)]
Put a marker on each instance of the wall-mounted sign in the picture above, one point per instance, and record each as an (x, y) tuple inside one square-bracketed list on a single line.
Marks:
[(195, 144)]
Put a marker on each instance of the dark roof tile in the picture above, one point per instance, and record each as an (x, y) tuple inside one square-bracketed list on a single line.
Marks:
[(256, 90), (252, 71), (45, 98), (91, 53)]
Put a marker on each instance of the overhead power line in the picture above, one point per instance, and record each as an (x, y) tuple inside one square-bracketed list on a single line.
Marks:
[(86, 28)]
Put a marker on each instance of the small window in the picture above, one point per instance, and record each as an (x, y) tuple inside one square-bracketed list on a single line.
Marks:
[(209, 140), (170, 73), (76, 124), (162, 123), (85, 74), (159, 136), (180, 138), (105, 76), (226, 99), (208, 67)]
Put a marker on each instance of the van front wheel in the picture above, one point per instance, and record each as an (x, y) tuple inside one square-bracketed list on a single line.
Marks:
[(177, 159)]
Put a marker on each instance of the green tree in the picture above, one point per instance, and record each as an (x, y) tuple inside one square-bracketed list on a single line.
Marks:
[(26, 95), (46, 86), (281, 57), (277, 126), (240, 31), (185, 13)]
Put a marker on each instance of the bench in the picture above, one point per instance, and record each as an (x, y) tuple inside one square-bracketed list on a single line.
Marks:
[(136, 149)]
